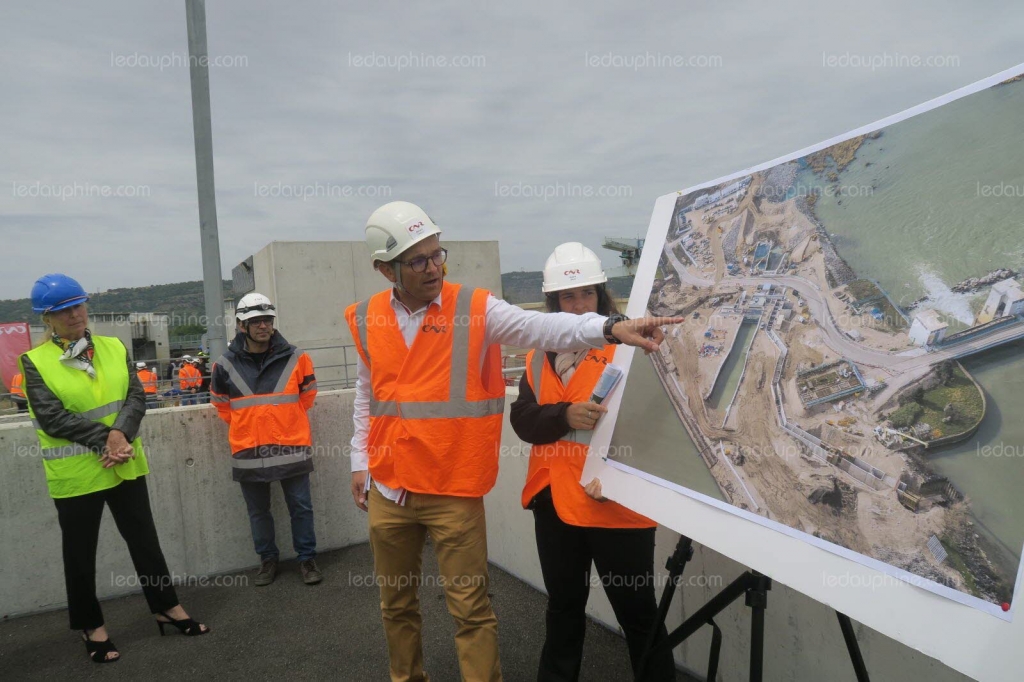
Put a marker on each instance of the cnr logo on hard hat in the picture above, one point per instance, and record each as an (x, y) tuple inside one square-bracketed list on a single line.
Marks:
[(416, 227), (567, 273)]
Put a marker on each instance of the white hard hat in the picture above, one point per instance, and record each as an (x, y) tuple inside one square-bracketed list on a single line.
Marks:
[(186, 358), (572, 265), (395, 227), (140, 365), (254, 305)]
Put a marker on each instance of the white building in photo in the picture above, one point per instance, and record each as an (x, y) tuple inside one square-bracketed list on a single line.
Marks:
[(927, 328), (1005, 298)]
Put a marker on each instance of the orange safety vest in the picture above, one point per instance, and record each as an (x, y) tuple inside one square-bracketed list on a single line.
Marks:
[(16, 383), (190, 377), (437, 407), (560, 464), (148, 379)]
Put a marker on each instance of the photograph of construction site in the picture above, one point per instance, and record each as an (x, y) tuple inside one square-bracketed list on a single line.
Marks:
[(852, 359)]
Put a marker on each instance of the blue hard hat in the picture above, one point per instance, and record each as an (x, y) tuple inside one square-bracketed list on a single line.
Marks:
[(56, 292)]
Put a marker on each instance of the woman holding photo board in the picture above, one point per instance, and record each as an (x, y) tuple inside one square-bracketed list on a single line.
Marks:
[(576, 526)]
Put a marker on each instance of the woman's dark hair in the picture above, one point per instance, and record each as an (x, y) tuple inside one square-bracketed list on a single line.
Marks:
[(605, 303)]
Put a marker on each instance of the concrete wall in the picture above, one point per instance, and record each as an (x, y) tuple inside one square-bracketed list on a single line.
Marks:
[(312, 283), (199, 511), (204, 529)]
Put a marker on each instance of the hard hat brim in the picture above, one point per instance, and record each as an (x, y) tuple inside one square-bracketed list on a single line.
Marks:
[(70, 303), (379, 256), (549, 288)]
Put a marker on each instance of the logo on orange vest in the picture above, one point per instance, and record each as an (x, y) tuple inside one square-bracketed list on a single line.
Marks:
[(599, 360), (435, 330)]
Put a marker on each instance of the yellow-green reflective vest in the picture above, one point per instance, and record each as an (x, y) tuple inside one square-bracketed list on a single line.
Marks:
[(71, 469)]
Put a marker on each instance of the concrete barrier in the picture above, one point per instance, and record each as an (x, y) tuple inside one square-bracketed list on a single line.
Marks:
[(199, 511), (204, 529)]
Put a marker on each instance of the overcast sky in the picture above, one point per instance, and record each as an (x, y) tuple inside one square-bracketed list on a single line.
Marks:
[(349, 100)]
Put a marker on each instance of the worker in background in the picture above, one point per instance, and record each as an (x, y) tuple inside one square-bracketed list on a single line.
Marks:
[(190, 379), (18, 392), (428, 412), (149, 383), (203, 365), (263, 387), (575, 526)]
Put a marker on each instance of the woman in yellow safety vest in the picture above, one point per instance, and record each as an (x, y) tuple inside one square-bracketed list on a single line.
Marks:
[(87, 403), (576, 526)]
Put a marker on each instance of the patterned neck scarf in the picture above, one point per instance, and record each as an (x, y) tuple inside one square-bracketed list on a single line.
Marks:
[(566, 363), (77, 354)]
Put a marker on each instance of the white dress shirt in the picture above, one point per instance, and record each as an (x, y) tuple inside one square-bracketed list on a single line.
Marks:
[(506, 324)]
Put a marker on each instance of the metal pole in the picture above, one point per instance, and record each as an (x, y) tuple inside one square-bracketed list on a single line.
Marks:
[(213, 294)]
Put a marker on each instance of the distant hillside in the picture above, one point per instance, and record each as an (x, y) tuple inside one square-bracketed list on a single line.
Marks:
[(524, 287), (182, 301)]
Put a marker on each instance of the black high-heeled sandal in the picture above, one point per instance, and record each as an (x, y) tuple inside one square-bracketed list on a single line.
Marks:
[(98, 650), (186, 626)]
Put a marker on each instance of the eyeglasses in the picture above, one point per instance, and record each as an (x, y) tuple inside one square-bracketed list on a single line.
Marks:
[(262, 321), (258, 307), (419, 264)]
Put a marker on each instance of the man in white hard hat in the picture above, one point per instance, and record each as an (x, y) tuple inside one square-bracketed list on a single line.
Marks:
[(428, 412), (263, 388)]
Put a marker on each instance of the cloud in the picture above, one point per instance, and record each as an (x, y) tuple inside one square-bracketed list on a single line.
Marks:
[(297, 107)]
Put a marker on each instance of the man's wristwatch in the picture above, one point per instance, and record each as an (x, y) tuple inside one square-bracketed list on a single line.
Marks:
[(609, 323)]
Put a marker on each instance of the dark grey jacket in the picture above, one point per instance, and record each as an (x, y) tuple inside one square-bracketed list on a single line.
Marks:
[(49, 413), (260, 375)]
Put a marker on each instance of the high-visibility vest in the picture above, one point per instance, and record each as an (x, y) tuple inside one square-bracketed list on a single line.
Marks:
[(16, 388), (71, 468), (148, 379), (190, 377), (269, 431), (560, 464), (437, 407)]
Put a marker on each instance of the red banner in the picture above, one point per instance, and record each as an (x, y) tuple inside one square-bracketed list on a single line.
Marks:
[(15, 339)]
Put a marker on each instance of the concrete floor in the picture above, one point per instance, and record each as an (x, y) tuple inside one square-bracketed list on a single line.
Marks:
[(290, 630)]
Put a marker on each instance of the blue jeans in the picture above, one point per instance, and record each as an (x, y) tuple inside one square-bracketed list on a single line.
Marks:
[(300, 507)]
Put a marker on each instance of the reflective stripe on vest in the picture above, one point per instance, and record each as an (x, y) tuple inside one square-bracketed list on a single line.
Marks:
[(276, 460), (361, 311), (581, 436), (436, 402), (71, 468), (277, 397), (565, 458), (456, 406), (96, 413)]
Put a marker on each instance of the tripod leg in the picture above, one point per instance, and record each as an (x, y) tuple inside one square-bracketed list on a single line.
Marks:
[(853, 647), (757, 600), (716, 651), (676, 564)]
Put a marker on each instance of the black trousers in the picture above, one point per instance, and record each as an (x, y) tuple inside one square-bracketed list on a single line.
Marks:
[(624, 558), (80, 530)]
